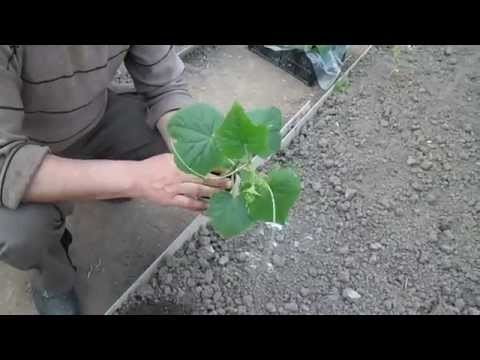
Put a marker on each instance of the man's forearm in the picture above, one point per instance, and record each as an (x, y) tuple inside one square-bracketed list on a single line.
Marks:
[(154, 179), (59, 179)]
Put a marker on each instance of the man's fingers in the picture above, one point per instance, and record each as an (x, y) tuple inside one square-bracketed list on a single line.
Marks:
[(195, 191), (210, 180), (217, 181), (188, 203)]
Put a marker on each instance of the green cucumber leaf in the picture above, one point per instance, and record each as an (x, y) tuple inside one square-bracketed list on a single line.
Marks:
[(272, 119), (193, 129), (285, 186), (238, 135), (229, 215)]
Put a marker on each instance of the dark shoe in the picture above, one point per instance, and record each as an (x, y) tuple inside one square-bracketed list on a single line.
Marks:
[(56, 304)]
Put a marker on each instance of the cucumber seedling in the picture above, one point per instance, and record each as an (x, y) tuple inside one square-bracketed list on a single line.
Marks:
[(203, 140)]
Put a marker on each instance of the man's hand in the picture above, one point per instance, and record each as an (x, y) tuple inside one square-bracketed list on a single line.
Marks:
[(160, 180), (157, 179)]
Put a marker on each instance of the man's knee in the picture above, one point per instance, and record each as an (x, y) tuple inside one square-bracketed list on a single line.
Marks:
[(27, 232), (133, 139)]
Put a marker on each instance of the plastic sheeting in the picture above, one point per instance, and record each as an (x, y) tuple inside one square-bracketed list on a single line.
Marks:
[(327, 60)]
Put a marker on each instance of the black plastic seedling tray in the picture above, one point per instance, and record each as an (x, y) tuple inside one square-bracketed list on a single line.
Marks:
[(295, 62)]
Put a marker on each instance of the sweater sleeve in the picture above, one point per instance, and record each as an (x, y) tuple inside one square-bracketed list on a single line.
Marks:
[(158, 74), (19, 158)]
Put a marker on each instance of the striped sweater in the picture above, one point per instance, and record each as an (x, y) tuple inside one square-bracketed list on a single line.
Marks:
[(51, 95)]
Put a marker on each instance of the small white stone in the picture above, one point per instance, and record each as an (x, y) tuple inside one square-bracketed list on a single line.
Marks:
[(350, 193), (274, 226), (351, 294)]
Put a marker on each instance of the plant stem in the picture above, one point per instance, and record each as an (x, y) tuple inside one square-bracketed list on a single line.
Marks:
[(183, 162), (236, 186), (200, 175), (234, 171), (274, 207)]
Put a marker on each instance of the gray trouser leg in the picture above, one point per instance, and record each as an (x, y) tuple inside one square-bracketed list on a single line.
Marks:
[(30, 240)]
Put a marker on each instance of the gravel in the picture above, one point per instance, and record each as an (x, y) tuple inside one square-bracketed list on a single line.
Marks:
[(304, 292), (223, 260), (271, 308), (431, 199), (448, 50), (291, 307), (278, 260), (426, 165)]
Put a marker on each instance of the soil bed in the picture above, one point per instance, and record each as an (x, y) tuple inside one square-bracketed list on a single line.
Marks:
[(388, 219)]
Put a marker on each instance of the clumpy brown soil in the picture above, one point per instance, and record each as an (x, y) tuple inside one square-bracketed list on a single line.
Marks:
[(388, 219)]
